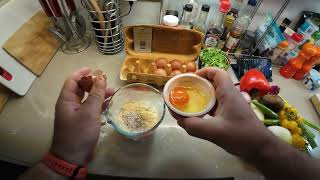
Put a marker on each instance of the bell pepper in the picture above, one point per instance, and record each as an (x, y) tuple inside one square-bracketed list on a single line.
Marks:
[(255, 80)]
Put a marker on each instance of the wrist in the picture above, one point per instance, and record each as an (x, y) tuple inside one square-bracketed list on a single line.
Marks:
[(64, 168), (78, 158)]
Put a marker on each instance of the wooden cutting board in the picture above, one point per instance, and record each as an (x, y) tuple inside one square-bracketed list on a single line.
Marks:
[(4, 96), (33, 45)]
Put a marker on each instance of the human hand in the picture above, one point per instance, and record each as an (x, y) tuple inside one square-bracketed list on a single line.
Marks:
[(77, 126), (234, 126)]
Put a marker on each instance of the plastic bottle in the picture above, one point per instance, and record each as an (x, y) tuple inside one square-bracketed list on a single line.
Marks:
[(307, 66), (187, 15), (276, 52), (236, 32), (247, 10), (200, 25), (294, 64), (215, 28)]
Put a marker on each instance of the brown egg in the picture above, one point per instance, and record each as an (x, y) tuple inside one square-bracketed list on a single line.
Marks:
[(175, 64), (175, 72), (160, 72), (161, 63), (191, 67)]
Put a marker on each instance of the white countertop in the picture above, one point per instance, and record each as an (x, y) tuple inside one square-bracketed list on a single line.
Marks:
[(26, 127)]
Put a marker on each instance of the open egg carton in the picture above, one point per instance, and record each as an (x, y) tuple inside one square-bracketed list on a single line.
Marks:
[(173, 51)]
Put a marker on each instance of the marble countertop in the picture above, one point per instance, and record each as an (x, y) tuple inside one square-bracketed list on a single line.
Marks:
[(26, 128)]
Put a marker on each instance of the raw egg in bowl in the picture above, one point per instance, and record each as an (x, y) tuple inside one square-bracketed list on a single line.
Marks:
[(189, 95)]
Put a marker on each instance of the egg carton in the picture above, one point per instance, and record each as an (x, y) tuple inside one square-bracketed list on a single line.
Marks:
[(169, 43)]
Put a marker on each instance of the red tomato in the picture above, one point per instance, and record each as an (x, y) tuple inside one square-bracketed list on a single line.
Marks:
[(179, 96)]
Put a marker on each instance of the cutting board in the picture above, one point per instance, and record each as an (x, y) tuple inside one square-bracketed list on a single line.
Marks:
[(33, 45), (4, 96)]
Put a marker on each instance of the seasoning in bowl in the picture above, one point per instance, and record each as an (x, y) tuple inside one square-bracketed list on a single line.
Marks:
[(136, 117)]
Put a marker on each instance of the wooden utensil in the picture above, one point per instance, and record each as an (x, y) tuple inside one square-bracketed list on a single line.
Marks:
[(99, 15), (33, 45)]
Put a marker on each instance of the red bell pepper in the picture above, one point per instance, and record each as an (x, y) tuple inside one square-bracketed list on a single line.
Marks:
[(254, 79)]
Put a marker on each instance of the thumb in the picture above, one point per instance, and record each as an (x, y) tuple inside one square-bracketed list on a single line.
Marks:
[(96, 96), (207, 129)]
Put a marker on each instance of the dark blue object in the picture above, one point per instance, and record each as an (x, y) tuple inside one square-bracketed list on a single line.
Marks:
[(245, 63)]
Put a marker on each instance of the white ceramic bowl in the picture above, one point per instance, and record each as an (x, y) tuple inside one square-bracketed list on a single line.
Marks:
[(190, 80)]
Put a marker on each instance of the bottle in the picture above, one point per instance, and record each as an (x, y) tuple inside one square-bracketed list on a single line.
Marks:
[(295, 64), (307, 66), (237, 4), (236, 32), (228, 23), (195, 10), (200, 25), (276, 52), (215, 28), (293, 43), (285, 23), (246, 43), (247, 10), (233, 12), (187, 15)]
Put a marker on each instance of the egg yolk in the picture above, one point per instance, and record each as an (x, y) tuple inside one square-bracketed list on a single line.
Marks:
[(179, 96)]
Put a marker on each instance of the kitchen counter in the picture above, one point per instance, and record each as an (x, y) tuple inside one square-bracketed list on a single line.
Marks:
[(26, 127)]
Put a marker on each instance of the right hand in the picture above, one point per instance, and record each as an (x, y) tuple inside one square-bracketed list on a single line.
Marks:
[(234, 126)]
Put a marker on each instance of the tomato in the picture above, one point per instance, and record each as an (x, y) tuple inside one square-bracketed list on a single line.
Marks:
[(179, 96)]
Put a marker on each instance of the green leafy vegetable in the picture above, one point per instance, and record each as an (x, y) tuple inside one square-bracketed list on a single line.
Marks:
[(310, 124), (212, 57), (309, 136)]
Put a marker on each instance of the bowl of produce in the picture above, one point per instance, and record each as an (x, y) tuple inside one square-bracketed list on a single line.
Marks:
[(189, 95), (135, 110), (213, 57)]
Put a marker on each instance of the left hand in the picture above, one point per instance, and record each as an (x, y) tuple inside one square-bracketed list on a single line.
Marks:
[(77, 126)]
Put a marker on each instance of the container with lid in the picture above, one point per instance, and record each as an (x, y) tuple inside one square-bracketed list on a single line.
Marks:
[(215, 28), (228, 23), (309, 27), (234, 12), (200, 25), (173, 12), (170, 20), (187, 17), (276, 52), (246, 43), (307, 66), (247, 10), (295, 64), (236, 32)]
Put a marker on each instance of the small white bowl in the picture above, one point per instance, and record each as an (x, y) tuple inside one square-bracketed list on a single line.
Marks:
[(190, 80)]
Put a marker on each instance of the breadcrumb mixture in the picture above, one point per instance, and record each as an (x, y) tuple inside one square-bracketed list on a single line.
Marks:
[(136, 116)]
